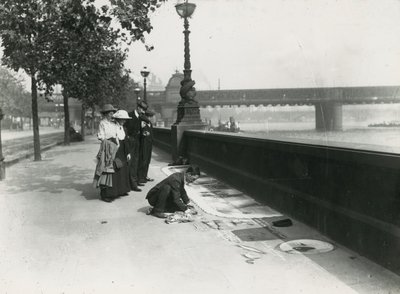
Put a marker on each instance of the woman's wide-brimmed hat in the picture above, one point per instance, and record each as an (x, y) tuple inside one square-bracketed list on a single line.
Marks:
[(108, 108), (121, 114)]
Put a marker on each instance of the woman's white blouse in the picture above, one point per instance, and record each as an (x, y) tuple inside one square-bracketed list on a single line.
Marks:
[(107, 129)]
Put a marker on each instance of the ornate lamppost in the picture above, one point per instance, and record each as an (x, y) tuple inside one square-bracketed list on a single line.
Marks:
[(137, 92), (145, 73), (188, 107), (188, 112)]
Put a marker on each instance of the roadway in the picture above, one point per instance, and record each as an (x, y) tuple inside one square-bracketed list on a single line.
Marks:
[(19, 144)]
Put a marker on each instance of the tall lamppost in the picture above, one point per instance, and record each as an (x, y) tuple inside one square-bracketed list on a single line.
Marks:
[(137, 92), (188, 112), (145, 73), (188, 107)]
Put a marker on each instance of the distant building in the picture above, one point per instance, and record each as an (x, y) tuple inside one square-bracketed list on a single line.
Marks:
[(51, 112), (154, 83)]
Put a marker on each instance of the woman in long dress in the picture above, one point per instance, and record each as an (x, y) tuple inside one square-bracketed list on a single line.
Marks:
[(120, 178), (107, 134)]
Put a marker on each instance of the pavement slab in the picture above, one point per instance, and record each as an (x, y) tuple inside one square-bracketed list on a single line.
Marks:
[(58, 237)]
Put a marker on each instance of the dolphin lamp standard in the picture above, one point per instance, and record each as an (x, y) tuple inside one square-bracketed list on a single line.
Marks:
[(145, 73), (188, 107)]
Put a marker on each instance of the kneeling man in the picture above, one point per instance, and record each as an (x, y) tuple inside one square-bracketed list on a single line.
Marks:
[(170, 195)]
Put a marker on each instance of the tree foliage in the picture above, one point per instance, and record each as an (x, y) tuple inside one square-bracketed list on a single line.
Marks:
[(14, 99), (24, 28), (133, 15), (72, 43)]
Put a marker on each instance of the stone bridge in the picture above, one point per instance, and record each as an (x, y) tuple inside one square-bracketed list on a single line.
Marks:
[(327, 101)]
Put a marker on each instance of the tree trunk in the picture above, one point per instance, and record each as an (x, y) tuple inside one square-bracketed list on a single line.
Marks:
[(66, 120), (93, 120), (2, 163), (83, 121), (35, 118)]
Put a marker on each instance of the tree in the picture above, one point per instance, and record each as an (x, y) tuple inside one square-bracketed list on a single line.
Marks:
[(85, 56), (62, 41), (14, 99), (133, 15), (24, 31)]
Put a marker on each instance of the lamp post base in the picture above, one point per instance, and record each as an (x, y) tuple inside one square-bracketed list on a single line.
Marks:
[(178, 141), (188, 114)]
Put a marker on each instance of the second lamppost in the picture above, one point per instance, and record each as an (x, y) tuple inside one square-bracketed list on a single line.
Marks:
[(137, 92), (188, 107), (145, 73)]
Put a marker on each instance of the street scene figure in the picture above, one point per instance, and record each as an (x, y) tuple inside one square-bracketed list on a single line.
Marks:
[(107, 125), (146, 146), (133, 131), (112, 174), (170, 195)]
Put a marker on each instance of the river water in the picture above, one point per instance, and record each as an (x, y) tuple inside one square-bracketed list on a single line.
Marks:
[(354, 136)]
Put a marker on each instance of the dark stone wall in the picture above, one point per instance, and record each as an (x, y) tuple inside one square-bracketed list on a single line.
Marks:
[(351, 196), (162, 139)]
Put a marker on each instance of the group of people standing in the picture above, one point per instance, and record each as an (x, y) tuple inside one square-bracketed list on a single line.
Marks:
[(124, 157), (125, 151)]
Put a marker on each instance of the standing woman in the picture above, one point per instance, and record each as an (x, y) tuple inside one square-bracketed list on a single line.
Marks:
[(107, 124), (107, 134), (120, 178)]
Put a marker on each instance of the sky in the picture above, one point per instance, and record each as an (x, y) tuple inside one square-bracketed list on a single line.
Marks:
[(250, 44), (258, 44)]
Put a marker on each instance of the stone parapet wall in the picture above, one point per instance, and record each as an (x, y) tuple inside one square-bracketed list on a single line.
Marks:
[(351, 196), (162, 138)]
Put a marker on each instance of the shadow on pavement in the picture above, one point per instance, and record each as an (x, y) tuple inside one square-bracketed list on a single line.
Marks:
[(144, 209), (49, 177)]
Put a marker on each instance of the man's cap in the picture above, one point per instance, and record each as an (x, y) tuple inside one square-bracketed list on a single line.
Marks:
[(193, 170), (143, 105), (108, 108)]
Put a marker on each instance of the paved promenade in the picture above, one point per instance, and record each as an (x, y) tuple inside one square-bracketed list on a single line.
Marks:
[(58, 237)]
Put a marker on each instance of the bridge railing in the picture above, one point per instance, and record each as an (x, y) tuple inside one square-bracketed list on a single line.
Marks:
[(294, 96)]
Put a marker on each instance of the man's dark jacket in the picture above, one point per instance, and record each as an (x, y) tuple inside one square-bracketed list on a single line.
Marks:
[(132, 130), (132, 126), (178, 193)]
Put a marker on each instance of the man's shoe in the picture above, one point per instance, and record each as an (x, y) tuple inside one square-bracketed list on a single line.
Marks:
[(160, 214), (106, 199), (149, 180), (136, 189)]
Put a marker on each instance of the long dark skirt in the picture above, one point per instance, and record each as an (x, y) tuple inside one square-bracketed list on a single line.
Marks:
[(120, 178)]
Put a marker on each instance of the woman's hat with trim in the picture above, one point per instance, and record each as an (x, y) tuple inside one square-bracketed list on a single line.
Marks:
[(121, 114), (108, 108)]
